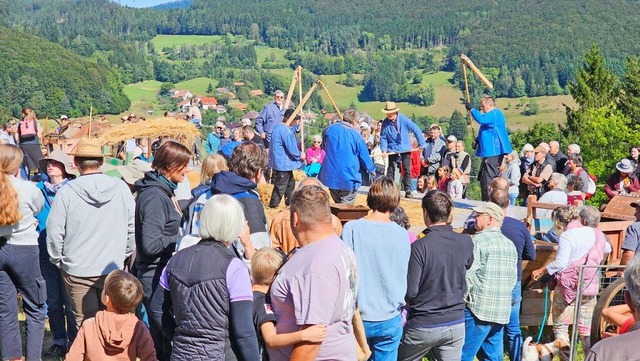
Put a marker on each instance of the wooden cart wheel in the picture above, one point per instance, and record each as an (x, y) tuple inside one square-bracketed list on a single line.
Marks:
[(611, 296)]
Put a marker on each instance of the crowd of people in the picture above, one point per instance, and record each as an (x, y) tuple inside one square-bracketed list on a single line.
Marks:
[(133, 268)]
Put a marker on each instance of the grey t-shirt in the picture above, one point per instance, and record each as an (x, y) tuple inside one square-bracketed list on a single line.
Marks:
[(318, 285), (631, 240)]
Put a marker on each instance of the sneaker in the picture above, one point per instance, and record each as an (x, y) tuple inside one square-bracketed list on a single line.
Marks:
[(408, 195), (56, 351)]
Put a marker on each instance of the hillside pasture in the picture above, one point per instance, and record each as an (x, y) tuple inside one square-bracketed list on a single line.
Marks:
[(198, 86)]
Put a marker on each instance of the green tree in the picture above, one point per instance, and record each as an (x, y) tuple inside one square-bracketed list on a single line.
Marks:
[(458, 125), (630, 98), (210, 88), (595, 84), (536, 134)]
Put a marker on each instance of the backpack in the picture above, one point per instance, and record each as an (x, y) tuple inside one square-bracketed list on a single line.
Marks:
[(28, 129), (591, 185)]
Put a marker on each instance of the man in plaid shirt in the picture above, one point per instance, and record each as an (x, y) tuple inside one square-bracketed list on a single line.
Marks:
[(490, 282)]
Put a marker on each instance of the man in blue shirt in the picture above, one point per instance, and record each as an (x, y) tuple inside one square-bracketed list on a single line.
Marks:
[(284, 158), (212, 145), (493, 141), (346, 153), (270, 115), (394, 137)]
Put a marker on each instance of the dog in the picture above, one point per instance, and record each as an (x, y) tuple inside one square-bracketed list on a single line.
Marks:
[(542, 352)]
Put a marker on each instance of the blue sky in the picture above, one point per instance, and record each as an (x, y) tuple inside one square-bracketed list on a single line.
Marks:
[(141, 3)]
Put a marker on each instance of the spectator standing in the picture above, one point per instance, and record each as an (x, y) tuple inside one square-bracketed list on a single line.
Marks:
[(450, 152), (8, 133), (249, 134), (518, 233), (316, 286), (492, 141), (574, 165), (434, 150), (212, 145), (490, 283), (439, 261), (58, 167), (20, 271), (212, 306), (314, 156), (79, 240), (382, 250), (157, 229), (558, 156), (29, 134), (284, 158), (512, 175), (282, 236), (346, 152), (578, 245), (115, 333), (538, 177), (394, 137), (270, 115)]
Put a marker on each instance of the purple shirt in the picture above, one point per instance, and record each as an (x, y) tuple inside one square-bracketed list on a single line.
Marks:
[(318, 285), (237, 279)]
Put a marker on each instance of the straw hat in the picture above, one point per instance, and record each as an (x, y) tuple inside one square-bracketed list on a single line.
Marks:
[(390, 107), (88, 148), (133, 171), (624, 166), (61, 157)]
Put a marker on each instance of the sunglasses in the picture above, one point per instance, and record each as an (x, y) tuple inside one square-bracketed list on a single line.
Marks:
[(279, 97)]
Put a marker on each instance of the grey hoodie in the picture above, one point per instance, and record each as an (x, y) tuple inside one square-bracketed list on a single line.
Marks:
[(90, 229)]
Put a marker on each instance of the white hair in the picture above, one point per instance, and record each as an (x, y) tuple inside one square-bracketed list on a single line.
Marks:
[(632, 280), (590, 215), (317, 138), (560, 180), (575, 148), (221, 219), (526, 148)]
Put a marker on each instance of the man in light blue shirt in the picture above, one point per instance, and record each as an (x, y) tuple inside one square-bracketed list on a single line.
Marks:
[(284, 158), (270, 115), (394, 138)]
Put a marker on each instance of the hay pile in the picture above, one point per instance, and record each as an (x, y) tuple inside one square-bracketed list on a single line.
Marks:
[(181, 130)]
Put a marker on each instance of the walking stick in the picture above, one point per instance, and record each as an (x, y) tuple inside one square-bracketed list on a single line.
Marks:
[(302, 112)]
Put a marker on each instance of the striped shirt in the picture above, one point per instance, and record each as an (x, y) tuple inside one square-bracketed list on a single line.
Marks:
[(492, 276)]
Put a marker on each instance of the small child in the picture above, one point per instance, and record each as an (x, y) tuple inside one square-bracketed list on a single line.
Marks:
[(455, 187), (264, 265), (115, 334)]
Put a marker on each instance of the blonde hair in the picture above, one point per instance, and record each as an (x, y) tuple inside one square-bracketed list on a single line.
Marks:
[(211, 165), (431, 182), (264, 265), (124, 291), (561, 217), (10, 160)]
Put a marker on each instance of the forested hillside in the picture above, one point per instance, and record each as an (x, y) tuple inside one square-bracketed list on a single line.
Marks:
[(525, 47), (53, 80)]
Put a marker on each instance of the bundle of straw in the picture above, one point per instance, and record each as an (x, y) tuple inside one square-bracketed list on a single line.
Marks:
[(265, 190), (180, 130), (299, 175)]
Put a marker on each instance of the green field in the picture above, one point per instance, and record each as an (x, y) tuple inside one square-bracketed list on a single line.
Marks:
[(143, 95), (197, 86)]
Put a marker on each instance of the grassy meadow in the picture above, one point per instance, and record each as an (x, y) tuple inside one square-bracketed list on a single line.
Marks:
[(447, 97)]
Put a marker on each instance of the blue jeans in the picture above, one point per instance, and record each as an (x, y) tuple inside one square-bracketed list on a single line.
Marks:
[(383, 338), (512, 329), (482, 339), (59, 310), (20, 272), (512, 198)]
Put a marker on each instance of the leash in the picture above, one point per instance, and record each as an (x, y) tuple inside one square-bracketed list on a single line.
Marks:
[(544, 314)]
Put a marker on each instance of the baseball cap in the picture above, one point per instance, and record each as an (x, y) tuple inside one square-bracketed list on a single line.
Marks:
[(491, 209)]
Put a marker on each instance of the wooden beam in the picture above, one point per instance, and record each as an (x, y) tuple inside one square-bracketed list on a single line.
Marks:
[(473, 68)]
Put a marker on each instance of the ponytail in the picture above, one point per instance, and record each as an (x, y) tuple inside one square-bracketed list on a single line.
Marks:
[(10, 160)]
